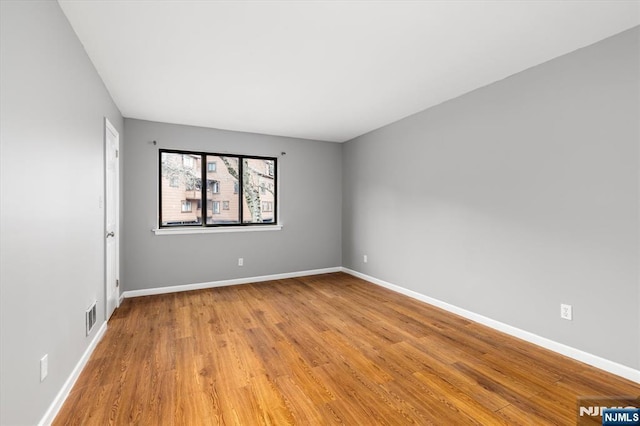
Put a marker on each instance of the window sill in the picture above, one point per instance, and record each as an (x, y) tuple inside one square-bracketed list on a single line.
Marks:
[(215, 230)]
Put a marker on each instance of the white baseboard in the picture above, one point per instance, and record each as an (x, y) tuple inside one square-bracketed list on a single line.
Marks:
[(577, 354), (587, 358), (224, 283), (55, 406)]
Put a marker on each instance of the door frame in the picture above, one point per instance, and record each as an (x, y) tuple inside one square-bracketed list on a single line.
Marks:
[(109, 128)]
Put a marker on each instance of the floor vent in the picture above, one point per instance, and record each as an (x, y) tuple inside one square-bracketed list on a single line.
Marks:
[(90, 316)]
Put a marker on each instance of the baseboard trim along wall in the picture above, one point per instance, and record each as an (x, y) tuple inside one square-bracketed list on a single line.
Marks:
[(587, 358), (55, 406), (224, 283), (577, 354)]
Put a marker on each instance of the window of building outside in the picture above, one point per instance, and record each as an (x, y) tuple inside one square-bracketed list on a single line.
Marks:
[(239, 190), (214, 186)]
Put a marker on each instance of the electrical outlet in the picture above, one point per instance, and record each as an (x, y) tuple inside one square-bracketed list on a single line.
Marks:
[(566, 312), (240, 261), (365, 259), (44, 367)]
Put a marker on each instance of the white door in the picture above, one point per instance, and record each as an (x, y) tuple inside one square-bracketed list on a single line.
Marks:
[(112, 237)]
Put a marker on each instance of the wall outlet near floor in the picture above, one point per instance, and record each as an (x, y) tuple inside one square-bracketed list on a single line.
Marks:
[(44, 367), (566, 312), (240, 261), (365, 259)]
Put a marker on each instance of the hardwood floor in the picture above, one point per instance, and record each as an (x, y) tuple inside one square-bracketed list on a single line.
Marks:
[(317, 350)]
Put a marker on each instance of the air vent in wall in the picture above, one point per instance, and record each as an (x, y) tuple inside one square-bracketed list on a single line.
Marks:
[(90, 316)]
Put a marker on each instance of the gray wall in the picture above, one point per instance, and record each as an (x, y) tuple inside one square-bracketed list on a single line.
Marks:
[(514, 198), (52, 109), (310, 185)]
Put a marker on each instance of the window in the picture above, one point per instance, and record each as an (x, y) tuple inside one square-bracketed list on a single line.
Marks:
[(214, 186), (247, 184)]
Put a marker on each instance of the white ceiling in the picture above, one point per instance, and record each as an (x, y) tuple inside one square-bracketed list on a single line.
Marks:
[(327, 70)]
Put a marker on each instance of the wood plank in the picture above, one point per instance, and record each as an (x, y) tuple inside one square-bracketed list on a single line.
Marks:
[(326, 349)]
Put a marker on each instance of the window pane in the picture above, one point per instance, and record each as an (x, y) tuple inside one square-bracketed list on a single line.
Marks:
[(213, 186), (220, 187), (180, 189), (258, 186), (234, 192)]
